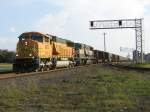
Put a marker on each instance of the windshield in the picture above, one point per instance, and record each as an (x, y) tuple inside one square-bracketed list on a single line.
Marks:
[(78, 46), (38, 38)]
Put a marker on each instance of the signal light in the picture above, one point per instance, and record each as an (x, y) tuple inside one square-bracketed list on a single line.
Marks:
[(30, 54), (92, 23), (120, 23)]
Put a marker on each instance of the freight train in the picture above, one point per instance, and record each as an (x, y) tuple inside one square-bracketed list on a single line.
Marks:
[(38, 52)]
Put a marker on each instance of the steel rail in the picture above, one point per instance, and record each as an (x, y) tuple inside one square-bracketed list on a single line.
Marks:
[(128, 67)]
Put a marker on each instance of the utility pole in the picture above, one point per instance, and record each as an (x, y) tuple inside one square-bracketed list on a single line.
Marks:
[(105, 42), (104, 46)]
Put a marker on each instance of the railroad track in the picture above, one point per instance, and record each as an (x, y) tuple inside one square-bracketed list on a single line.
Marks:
[(14, 75), (11, 75), (6, 72), (128, 67)]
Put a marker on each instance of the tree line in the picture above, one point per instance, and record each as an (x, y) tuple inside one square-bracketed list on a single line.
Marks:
[(6, 56)]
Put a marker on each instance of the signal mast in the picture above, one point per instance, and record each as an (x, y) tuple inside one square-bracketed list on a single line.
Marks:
[(124, 24)]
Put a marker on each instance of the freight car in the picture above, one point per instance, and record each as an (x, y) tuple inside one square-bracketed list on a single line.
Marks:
[(124, 59), (98, 56), (105, 57), (114, 58), (101, 56)]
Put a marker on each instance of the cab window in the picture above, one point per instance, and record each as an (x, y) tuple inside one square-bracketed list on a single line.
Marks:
[(38, 38), (78, 46), (24, 37), (46, 39)]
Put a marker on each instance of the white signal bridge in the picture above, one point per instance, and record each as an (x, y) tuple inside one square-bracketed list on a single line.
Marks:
[(121, 24)]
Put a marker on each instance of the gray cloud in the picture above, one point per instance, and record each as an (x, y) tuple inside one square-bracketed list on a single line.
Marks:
[(73, 21)]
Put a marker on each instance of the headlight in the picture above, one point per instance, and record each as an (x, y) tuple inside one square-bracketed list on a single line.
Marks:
[(26, 43), (30, 54)]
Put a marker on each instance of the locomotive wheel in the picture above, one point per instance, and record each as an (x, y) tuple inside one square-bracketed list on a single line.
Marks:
[(41, 69), (47, 68), (72, 65), (69, 66), (37, 70)]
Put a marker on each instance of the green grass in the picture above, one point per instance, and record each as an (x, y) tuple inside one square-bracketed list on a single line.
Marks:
[(144, 65), (5, 67), (92, 90)]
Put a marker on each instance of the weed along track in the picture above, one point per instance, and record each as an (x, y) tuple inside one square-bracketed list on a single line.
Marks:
[(129, 67), (94, 88)]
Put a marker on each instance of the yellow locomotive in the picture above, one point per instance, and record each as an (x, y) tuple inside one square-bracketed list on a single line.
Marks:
[(37, 51)]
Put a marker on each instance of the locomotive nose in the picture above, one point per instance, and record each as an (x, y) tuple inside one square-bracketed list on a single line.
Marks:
[(27, 49)]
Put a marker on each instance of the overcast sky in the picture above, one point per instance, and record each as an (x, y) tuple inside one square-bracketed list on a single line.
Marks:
[(69, 19)]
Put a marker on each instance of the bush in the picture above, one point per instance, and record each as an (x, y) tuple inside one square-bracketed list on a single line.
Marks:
[(6, 56)]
